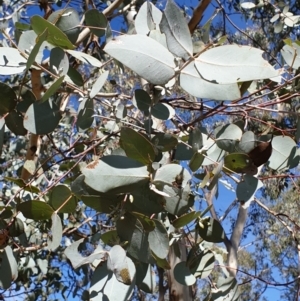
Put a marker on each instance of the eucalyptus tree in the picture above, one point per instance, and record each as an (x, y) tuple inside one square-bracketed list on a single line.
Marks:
[(115, 146)]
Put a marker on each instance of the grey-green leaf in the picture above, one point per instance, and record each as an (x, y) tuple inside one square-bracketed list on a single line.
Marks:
[(8, 269), (143, 55), (124, 174), (56, 232), (234, 63), (192, 82), (11, 61), (159, 240), (97, 86), (174, 26)]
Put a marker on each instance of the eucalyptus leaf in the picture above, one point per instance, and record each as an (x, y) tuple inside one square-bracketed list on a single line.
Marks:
[(143, 55)]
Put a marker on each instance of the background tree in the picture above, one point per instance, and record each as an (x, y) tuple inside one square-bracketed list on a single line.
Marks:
[(116, 147)]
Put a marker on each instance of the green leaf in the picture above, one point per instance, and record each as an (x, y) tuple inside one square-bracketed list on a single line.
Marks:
[(147, 223), (96, 21), (234, 63), (139, 245), (103, 204), (162, 111), (195, 139), (196, 161), (39, 41), (22, 184), (136, 146), (124, 174), (211, 230), (11, 61), (159, 240), (16, 228), (67, 20), (74, 77), (183, 275), (174, 26), (141, 99), (164, 142), (14, 121), (8, 268), (185, 219), (8, 98), (55, 36), (161, 262), (97, 86), (61, 194), (143, 55), (56, 233), (247, 188), (85, 117), (36, 210), (239, 163), (42, 118), (110, 237), (192, 82), (52, 89)]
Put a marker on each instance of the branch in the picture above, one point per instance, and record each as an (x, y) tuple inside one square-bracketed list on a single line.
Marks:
[(198, 15), (232, 247)]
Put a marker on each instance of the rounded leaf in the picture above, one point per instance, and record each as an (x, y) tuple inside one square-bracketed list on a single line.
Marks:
[(42, 118), (36, 210), (96, 21), (62, 197), (183, 275)]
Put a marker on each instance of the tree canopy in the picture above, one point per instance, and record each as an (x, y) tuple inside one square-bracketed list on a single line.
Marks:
[(149, 150)]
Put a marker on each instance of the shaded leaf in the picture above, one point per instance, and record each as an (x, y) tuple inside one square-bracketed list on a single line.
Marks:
[(36, 210), (211, 230), (183, 275), (96, 21), (136, 146), (159, 240), (42, 118), (185, 219), (8, 268)]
